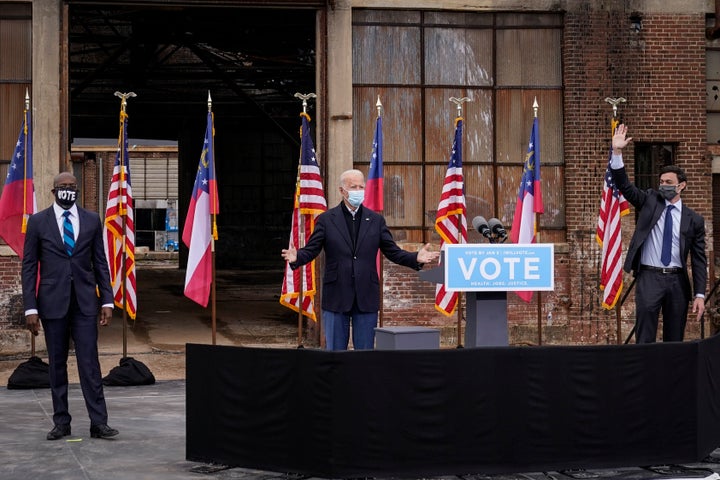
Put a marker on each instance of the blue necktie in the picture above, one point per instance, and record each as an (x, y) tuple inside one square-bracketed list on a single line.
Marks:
[(667, 237), (68, 233)]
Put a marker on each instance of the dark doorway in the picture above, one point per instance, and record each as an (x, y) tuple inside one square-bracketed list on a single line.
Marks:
[(251, 61)]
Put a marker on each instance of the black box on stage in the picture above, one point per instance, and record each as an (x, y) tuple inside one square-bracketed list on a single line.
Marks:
[(407, 338)]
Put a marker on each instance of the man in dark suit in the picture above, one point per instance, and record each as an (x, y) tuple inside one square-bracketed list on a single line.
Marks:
[(351, 237), (666, 233), (66, 243)]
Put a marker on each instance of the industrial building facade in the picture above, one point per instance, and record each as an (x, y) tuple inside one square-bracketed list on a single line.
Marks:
[(569, 56)]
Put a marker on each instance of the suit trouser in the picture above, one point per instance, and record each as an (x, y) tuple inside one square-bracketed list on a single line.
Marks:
[(656, 292), (83, 330)]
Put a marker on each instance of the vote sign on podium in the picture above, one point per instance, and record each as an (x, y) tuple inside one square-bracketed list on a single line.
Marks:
[(474, 267)]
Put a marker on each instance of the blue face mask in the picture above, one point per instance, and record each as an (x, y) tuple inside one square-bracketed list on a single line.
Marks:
[(356, 197)]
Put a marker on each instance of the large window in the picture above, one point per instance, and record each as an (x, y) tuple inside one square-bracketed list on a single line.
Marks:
[(650, 158), (415, 61), (15, 74)]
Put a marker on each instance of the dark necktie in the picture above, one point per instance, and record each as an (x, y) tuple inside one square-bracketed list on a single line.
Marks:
[(667, 237), (68, 233)]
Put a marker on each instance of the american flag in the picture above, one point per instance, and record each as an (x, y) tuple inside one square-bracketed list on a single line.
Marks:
[(120, 227), (529, 200), (309, 202), (613, 206), (450, 222)]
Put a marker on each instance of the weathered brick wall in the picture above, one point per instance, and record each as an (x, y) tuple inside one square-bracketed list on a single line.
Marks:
[(661, 73), (13, 339)]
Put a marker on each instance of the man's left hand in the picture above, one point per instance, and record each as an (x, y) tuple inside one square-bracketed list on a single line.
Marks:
[(425, 255), (699, 307), (105, 316)]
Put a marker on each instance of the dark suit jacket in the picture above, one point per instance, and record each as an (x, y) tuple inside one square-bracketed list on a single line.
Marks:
[(86, 269), (351, 272), (650, 205)]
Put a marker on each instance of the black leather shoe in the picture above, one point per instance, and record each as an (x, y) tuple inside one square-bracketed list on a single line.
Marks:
[(58, 432), (102, 431)]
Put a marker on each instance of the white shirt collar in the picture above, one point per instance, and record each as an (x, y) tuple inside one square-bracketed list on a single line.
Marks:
[(59, 210)]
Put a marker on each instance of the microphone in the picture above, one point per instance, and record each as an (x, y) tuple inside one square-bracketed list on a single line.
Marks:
[(481, 225), (497, 228)]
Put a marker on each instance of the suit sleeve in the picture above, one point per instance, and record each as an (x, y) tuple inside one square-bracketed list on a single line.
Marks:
[(100, 266), (314, 244), (631, 192), (30, 265)]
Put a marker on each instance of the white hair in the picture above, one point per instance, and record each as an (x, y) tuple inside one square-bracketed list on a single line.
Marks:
[(351, 173)]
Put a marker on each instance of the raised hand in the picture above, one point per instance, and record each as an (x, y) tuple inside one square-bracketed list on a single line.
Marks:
[(620, 138)]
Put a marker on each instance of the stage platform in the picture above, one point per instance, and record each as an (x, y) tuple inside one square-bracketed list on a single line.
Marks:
[(152, 445), (421, 413)]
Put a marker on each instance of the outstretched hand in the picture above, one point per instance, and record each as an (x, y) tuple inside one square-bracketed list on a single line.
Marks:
[(425, 255), (290, 253), (620, 138)]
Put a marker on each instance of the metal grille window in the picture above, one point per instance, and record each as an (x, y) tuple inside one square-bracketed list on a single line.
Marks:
[(649, 159), (415, 61), (15, 75)]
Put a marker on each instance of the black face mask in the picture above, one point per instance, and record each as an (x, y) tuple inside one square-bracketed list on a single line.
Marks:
[(668, 191), (65, 197)]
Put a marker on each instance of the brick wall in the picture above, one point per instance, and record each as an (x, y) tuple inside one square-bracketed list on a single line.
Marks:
[(661, 73), (13, 339)]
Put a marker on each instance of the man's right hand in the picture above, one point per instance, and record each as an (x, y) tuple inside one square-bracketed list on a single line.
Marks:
[(620, 139), (290, 253), (32, 322)]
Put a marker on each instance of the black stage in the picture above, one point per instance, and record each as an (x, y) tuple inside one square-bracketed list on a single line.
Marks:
[(456, 411)]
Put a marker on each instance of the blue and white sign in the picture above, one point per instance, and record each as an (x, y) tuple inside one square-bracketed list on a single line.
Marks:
[(471, 267)]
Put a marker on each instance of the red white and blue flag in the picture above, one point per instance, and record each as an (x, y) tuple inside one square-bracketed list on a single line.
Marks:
[(451, 221), (309, 202), (613, 206), (18, 200), (374, 184), (529, 200), (200, 228), (119, 234)]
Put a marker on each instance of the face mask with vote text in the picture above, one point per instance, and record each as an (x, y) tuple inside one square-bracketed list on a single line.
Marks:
[(65, 197)]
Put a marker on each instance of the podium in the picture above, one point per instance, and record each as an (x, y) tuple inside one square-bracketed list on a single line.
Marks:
[(486, 313), (486, 272)]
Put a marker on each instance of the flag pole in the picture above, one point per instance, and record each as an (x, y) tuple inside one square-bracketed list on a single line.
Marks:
[(613, 124), (537, 240), (213, 292), (301, 229), (381, 273), (459, 102), (123, 210), (25, 193)]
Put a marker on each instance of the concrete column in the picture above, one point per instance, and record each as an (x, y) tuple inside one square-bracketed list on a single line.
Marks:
[(46, 17), (339, 95)]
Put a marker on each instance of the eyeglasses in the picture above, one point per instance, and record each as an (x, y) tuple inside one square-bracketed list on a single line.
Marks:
[(69, 186)]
